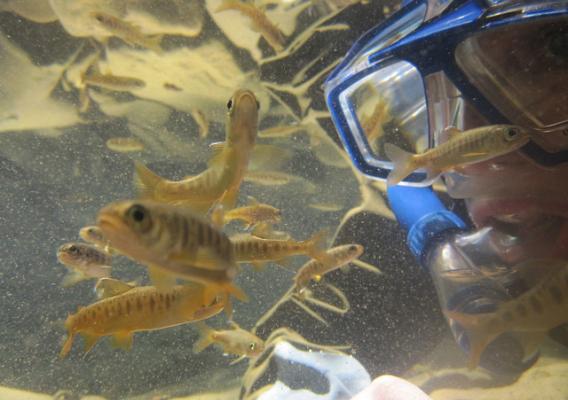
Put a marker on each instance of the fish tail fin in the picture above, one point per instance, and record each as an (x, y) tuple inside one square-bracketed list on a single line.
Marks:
[(477, 334), (403, 163), (225, 5), (317, 245), (67, 345), (145, 180), (205, 338), (72, 278), (211, 293)]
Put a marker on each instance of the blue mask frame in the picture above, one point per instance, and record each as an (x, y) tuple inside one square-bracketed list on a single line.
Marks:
[(430, 48)]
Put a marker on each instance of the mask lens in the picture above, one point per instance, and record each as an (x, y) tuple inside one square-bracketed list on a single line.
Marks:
[(523, 70), (387, 106)]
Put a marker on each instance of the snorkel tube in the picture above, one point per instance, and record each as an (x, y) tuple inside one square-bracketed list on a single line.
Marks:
[(442, 243)]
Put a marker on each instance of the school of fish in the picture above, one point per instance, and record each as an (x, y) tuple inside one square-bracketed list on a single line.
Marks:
[(175, 229)]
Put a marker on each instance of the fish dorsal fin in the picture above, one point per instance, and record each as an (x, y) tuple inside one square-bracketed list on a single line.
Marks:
[(108, 287), (251, 201), (89, 340), (122, 340), (451, 132), (160, 279), (217, 216), (234, 325), (216, 153)]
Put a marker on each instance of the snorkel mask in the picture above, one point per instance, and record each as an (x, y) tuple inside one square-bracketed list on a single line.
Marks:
[(464, 64), (436, 64)]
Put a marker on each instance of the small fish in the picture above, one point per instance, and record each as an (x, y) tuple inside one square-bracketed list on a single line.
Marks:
[(475, 145), (112, 82), (138, 309), (314, 269), (201, 122), (372, 125), (173, 242), (265, 230), (129, 33), (259, 22), (84, 262), (281, 131), (235, 341), (223, 178), (257, 251), (275, 178), (172, 87), (326, 207), (125, 145), (536, 311), (253, 214)]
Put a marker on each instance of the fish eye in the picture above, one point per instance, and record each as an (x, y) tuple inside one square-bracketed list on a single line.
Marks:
[(511, 134), (136, 213), (353, 248), (73, 249), (252, 346), (230, 104)]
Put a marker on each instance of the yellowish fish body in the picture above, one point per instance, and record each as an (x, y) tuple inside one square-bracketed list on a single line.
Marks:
[(138, 309), (113, 82), (373, 124), (259, 22), (235, 341), (540, 309), (126, 31), (253, 214), (256, 250), (84, 262), (223, 178), (314, 269), (173, 242), (469, 147), (124, 145)]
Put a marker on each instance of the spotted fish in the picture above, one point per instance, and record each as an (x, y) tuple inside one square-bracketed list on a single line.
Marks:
[(222, 180), (462, 148), (314, 269), (173, 242), (138, 309)]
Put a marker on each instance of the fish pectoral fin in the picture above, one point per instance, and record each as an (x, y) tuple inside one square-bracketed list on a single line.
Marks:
[(366, 266), (122, 340), (238, 360), (229, 198), (204, 257), (530, 341), (90, 340), (210, 292), (218, 216), (73, 277), (285, 263), (258, 265), (108, 287), (251, 201), (451, 132), (161, 279), (432, 173), (67, 345), (217, 157)]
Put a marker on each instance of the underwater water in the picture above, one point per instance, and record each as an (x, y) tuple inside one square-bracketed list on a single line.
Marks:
[(160, 73)]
